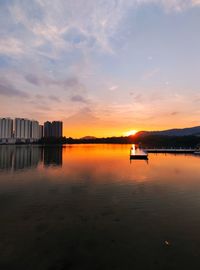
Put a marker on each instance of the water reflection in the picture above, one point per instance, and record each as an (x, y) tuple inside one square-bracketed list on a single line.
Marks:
[(53, 156), (79, 202), (14, 158)]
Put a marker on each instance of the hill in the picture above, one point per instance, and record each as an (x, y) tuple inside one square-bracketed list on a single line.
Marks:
[(193, 131)]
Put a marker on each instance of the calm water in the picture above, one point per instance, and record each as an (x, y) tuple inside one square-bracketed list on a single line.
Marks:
[(88, 207)]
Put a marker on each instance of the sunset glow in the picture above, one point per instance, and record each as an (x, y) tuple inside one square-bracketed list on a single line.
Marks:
[(130, 132)]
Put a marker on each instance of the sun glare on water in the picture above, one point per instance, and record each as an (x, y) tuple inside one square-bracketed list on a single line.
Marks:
[(130, 132)]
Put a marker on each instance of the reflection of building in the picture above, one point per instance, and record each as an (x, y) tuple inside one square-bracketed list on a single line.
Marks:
[(6, 129), (26, 157), (6, 157), (41, 131), (53, 156), (19, 157), (53, 129)]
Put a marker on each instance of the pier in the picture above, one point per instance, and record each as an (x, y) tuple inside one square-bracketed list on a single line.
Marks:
[(171, 150)]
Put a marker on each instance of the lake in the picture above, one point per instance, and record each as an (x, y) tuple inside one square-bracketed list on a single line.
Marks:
[(89, 207)]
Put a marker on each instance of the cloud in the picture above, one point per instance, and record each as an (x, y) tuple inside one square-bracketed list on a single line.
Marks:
[(72, 82), (42, 32), (54, 98), (49, 30), (43, 107), (151, 73), (6, 89), (114, 87), (171, 5), (78, 98), (84, 116), (32, 79), (174, 113), (39, 97), (196, 2), (138, 98), (11, 46)]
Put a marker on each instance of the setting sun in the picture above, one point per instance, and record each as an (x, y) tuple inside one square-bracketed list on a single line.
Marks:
[(130, 132)]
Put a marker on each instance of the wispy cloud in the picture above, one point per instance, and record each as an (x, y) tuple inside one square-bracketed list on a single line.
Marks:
[(151, 73), (114, 87), (54, 98), (174, 113), (71, 83), (196, 2), (78, 98), (32, 79), (11, 46), (51, 29), (7, 89)]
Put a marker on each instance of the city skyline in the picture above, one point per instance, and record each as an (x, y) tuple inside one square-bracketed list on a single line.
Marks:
[(19, 130), (104, 68)]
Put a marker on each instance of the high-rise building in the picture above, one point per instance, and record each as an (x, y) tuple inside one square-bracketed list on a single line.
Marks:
[(41, 131), (57, 129), (35, 130), (47, 129), (53, 129), (26, 129), (22, 128), (6, 128)]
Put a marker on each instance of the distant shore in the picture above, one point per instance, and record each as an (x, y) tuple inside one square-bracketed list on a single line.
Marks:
[(150, 141)]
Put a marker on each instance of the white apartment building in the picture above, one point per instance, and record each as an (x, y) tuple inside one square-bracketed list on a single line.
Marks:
[(27, 129), (35, 130), (22, 128), (6, 128)]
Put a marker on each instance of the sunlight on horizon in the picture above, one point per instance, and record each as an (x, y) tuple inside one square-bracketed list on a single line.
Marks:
[(130, 132)]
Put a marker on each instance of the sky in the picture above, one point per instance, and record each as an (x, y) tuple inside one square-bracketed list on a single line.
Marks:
[(103, 67)]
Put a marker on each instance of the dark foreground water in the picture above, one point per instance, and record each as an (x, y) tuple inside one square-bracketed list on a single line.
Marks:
[(87, 207)]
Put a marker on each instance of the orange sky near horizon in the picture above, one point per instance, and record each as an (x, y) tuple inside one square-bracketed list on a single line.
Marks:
[(105, 131)]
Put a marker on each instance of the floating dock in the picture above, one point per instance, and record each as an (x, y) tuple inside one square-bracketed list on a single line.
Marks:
[(138, 154)]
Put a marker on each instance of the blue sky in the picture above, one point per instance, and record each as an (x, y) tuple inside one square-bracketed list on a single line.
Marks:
[(103, 67)]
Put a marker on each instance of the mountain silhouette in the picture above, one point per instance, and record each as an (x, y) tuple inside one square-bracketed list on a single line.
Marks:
[(194, 131)]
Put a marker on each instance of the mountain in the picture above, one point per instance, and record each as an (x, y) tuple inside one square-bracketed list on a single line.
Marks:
[(173, 132)]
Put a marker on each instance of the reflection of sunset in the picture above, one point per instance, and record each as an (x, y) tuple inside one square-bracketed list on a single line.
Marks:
[(105, 163), (100, 163)]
